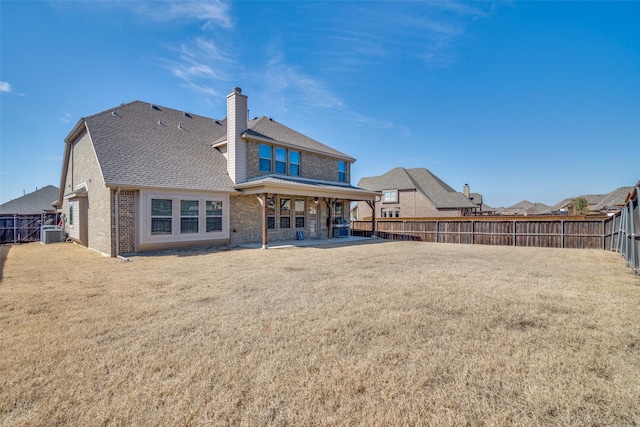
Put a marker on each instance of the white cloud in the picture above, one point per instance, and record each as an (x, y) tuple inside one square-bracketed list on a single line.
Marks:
[(5, 87), (210, 13), (66, 118)]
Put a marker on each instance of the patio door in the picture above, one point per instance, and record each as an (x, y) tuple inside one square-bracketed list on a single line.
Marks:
[(313, 220)]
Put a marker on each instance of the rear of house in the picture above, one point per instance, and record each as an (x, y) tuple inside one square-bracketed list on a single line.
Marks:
[(142, 177)]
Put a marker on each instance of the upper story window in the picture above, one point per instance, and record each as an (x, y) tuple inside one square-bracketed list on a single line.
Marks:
[(281, 160), (389, 196), (342, 171), (287, 162), (294, 163), (265, 158)]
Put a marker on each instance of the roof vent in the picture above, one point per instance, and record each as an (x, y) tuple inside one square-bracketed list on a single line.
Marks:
[(160, 123), (180, 125), (187, 114), (113, 112), (218, 122), (237, 90), (155, 107)]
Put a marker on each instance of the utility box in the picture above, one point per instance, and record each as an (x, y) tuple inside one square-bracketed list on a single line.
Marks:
[(50, 234)]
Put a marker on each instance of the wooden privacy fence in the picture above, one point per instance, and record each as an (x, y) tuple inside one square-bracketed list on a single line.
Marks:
[(15, 228), (546, 232)]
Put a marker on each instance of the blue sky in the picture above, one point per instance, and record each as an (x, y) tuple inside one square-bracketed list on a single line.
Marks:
[(521, 100)]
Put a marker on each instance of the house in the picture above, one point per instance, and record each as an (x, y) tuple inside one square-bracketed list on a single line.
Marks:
[(525, 208), (412, 193), (142, 177), (40, 201), (596, 203), (21, 219), (614, 201)]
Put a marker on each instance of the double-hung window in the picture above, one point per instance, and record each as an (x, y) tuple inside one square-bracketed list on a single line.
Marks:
[(265, 158), (161, 216), (342, 171), (214, 216), (281, 160), (299, 211), (189, 211), (285, 213), (271, 214), (294, 163)]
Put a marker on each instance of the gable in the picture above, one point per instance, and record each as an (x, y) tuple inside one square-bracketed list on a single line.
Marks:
[(441, 195), (144, 145)]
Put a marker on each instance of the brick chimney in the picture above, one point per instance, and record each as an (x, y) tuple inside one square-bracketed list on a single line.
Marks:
[(236, 146)]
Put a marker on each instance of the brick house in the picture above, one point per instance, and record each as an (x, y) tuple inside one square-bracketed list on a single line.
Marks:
[(141, 177), (412, 193)]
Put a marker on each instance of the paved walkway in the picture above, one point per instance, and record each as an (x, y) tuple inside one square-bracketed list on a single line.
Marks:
[(314, 242)]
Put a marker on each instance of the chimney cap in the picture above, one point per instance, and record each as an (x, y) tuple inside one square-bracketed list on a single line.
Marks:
[(237, 90)]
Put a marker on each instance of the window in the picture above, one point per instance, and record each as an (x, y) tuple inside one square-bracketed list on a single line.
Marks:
[(265, 158), (271, 214), (71, 213), (397, 214), (281, 160), (294, 163), (299, 210), (161, 216), (389, 196), (285, 213), (214, 216), (342, 171), (338, 209), (189, 216)]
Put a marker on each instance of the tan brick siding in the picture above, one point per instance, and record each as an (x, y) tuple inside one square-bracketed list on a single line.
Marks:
[(83, 168), (126, 222), (246, 219), (312, 166)]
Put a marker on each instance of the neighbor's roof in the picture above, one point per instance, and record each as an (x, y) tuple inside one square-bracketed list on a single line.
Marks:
[(33, 203), (593, 201), (421, 180), (615, 198), (145, 145), (527, 207)]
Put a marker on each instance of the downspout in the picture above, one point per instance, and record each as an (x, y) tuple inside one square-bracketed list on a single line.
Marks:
[(117, 221)]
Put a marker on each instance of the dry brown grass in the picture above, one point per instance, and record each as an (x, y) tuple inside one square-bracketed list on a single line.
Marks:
[(394, 333)]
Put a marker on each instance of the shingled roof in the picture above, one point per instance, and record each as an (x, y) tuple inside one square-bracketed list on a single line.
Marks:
[(33, 203), (269, 129), (422, 180), (145, 145)]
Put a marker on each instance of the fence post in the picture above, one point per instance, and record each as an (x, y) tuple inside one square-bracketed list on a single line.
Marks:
[(632, 229)]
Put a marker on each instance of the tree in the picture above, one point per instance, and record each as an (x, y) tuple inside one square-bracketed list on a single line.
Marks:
[(579, 205)]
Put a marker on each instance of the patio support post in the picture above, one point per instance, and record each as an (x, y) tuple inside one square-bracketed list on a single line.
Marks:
[(265, 242)]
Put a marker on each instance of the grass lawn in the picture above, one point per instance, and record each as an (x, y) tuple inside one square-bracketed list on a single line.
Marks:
[(391, 333)]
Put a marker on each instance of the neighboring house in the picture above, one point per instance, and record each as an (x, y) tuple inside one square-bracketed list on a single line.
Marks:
[(476, 199), (614, 201), (21, 219), (141, 177), (596, 203), (525, 208), (38, 202), (564, 207), (412, 193)]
